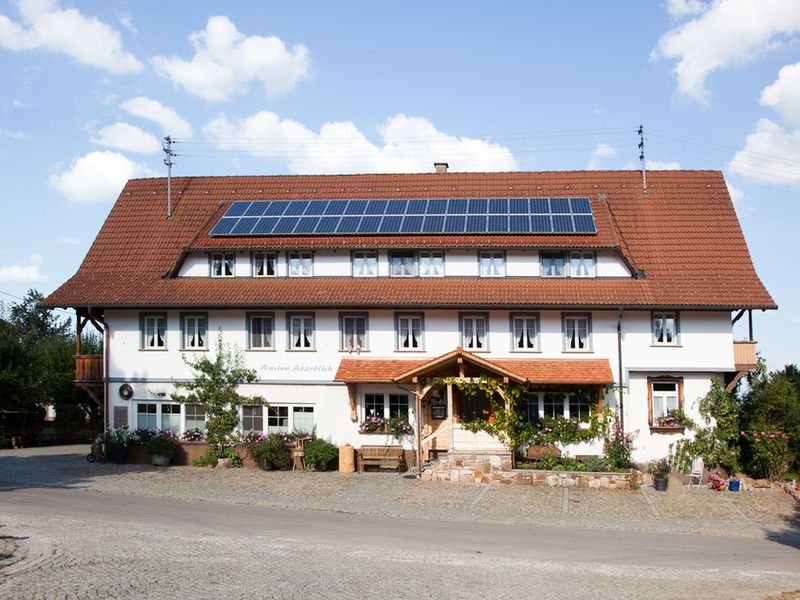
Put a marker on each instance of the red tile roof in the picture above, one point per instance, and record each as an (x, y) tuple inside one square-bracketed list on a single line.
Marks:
[(535, 370), (683, 234)]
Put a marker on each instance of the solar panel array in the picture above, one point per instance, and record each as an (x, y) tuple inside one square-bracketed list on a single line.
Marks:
[(433, 216)]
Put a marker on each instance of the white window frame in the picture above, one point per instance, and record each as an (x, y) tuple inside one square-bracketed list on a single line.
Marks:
[(664, 396), (404, 254), (162, 413), (549, 255), (426, 260), (525, 319), (199, 323), (276, 412), (148, 413), (405, 321), (537, 399), (387, 404), (252, 418), (492, 263), (304, 409), (263, 316), (361, 262), (301, 319), (586, 262), (222, 264), (577, 318), (195, 409), (266, 258), (665, 314), (348, 340), (158, 321), (469, 326), (300, 263)]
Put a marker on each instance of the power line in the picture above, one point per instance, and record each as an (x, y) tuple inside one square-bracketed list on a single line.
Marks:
[(23, 299)]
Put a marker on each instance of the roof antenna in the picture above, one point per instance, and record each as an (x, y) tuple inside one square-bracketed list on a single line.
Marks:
[(166, 146), (640, 131)]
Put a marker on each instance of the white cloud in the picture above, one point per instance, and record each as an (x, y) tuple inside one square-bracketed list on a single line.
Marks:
[(19, 104), (600, 152), (683, 8), (226, 61), (726, 33), (170, 121), (123, 136), (70, 241), (657, 165), (740, 199), (784, 94), (98, 177), (771, 154), (407, 144), (29, 273), (14, 135), (85, 39)]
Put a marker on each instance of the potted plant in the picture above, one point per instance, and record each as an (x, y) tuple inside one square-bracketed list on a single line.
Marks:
[(115, 442), (660, 470), (162, 447)]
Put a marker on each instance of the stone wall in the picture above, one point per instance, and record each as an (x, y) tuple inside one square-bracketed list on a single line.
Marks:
[(478, 467)]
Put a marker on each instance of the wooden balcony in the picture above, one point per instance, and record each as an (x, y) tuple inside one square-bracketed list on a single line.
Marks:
[(744, 356), (88, 369)]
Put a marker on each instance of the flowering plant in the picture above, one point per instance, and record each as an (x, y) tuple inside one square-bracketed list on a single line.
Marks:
[(618, 447), (193, 435), (770, 450), (114, 439), (675, 417), (163, 443), (715, 482), (143, 434), (372, 424), (270, 451), (399, 426)]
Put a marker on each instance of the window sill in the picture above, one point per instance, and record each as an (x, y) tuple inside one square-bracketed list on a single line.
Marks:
[(577, 352), (478, 350), (301, 350), (362, 351), (153, 349), (260, 350), (532, 351), (679, 429), (194, 349)]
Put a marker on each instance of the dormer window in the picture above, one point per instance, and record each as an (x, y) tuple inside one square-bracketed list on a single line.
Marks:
[(581, 264), (493, 263), (265, 264), (431, 263), (222, 264), (300, 264), (554, 264), (403, 264), (365, 263)]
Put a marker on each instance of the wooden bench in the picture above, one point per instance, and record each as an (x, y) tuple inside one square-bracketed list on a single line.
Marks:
[(384, 457)]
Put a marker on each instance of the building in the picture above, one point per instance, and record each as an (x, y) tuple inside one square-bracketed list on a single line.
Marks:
[(349, 293)]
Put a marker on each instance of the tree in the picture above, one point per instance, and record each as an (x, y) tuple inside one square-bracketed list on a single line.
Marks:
[(716, 441), (215, 388)]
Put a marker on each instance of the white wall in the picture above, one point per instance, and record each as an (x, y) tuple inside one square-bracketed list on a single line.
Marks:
[(195, 265)]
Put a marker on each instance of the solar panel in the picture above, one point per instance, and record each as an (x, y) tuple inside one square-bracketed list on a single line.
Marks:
[(376, 207), (414, 216)]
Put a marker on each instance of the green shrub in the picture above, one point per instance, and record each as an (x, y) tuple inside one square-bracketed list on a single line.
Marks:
[(209, 459), (319, 454), (163, 444), (271, 451), (596, 464), (618, 447), (230, 452)]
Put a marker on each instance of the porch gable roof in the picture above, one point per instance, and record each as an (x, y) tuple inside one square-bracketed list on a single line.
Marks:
[(544, 371)]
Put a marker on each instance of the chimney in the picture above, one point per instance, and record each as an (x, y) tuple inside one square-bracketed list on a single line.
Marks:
[(441, 167)]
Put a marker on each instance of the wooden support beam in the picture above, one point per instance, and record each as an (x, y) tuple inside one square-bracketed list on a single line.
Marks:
[(418, 421), (90, 392), (450, 414), (351, 394), (734, 381)]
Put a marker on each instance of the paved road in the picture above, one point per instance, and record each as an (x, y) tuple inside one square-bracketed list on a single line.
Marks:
[(82, 543)]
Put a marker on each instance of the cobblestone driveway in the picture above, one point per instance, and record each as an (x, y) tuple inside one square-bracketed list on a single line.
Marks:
[(217, 563)]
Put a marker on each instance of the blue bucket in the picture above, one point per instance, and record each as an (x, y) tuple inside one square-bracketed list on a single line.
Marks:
[(733, 485)]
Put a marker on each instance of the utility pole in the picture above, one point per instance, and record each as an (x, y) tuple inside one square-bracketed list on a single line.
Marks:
[(168, 156), (640, 131)]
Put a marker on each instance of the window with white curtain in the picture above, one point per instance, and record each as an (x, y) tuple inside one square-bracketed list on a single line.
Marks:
[(581, 264), (473, 332), (403, 264), (265, 264), (664, 398), (146, 416), (301, 332), (222, 264), (576, 333), (525, 333), (154, 331), (409, 332), (493, 263), (195, 331), (171, 417), (354, 332), (665, 328), (300, 264), (261, 331), (365, 263), (553, 264), (431, 263)]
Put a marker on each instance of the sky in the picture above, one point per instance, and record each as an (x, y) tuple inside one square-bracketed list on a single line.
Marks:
[(88, 90)]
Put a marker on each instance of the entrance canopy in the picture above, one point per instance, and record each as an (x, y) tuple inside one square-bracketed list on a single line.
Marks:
[(459, 362)]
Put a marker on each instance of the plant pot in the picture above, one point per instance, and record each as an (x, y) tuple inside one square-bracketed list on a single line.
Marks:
[(121, 456), (733, 485), (159, 460), (660, 484)]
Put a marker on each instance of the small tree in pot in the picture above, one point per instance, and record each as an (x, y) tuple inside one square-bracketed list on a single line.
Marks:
[(660, 471)]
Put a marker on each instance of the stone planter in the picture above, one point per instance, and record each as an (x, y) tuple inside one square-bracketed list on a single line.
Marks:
[(159, 460), (660, 484)]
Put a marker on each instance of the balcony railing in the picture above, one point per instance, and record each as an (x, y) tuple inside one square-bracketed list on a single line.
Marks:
[(88, 368), (744, 356)]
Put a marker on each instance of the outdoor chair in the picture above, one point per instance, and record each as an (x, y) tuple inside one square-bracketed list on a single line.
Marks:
[(697, 473)]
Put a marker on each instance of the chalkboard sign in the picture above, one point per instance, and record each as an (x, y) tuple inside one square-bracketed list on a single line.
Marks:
[(438, 412)]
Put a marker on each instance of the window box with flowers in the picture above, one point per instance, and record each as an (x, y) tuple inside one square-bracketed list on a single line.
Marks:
[(398, 426), (665, 405)]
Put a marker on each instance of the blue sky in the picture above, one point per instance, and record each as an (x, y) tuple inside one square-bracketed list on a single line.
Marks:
[(87, 91)]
